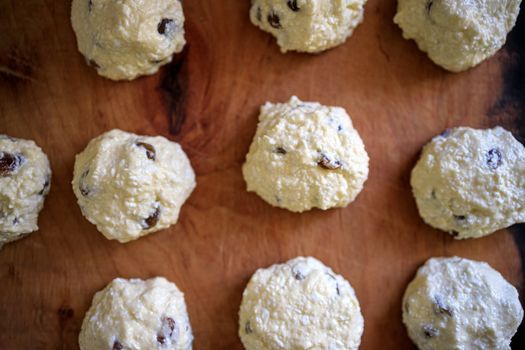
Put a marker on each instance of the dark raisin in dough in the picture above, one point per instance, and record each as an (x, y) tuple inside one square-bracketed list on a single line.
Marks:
[(280, 150), (117, 345), (150, 150), (430, 331), (82, 186), (9, 163), (292, 4), (494, 158), (165, 25), (153, 219), (167, 330), (326, 163), (248, 328), (274, 20)]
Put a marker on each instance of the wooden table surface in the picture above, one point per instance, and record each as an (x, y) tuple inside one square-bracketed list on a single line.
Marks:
[(208, 101)]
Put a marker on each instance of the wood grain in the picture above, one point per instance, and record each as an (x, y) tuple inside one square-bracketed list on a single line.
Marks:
[(208, 101)]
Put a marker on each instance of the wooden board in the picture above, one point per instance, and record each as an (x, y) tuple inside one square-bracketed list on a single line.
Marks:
[(208, 101)]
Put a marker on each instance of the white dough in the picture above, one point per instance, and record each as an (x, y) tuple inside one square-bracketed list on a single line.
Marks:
[(305, 155), (471, 182), (124, 39), (25, 180), (308, 25), (457, 34), (301, 304), (456, 303), (131, 185), (137, 315)]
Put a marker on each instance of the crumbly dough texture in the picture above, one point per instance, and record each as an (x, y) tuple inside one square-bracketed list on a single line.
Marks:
[(127, 38), (130, 185), (301, 304), (471, 182), (137, 315), (25, 180), (456, 303), (308, 25), (457, 34), (305, 155)]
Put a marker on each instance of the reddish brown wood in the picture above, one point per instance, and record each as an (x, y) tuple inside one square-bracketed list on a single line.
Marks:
[(397, 98)]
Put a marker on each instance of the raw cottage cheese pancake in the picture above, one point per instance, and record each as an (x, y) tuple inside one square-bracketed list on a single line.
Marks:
[(457, 34), (130, 185), (25, 180), (308, 25), (305, 155), (456, 303), (137, 315), (471, 182), (128, 38), (301, 304)]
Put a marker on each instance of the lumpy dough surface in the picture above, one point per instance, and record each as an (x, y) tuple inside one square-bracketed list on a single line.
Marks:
[(301, 304), (130, 185), (308, 25), (127, 38), (456, 303), (471, 182), (25, 180), (457, 34), (137, 315), (305, 155)]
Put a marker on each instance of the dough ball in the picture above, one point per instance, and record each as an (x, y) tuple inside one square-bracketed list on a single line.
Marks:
[(308, 25), (131, 185), (457, 34), (25, 180), (128, 38), (301, 304), (305, 155), (456, 303), (136, 315), (471, 182)]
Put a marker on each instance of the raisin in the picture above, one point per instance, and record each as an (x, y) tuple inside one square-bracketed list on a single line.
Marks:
[(280, 150), (336, 284), (84, 189), (428, 6), (339, 128), (167, 330), (430, 331), (454, 233), (494, 158), (165, 25), (45, 188), (9, 163), (150, 150), (274, 20), (298, 275), (93, 63), (117, 345), (153, 219), (460, 217), (258, 14), (90, 5), (326, 163), (248, 328), (445, 133), (292, 4), (440, 307)]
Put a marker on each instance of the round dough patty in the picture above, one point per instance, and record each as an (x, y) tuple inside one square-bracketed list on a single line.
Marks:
[(25, 180), (457, 34), (128, 38), (301, 304), (131, 185), (456, 303), (136, 315), (308, 25), (471, 182), (305, 155)]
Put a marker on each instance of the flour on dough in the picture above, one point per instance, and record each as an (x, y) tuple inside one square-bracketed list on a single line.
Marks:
[(305, 155), (128, 38), (25, 180), (471, 182), (457, 34), (456, 303), (308, 25), (137, 315), (130, 185), (301, 304)]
